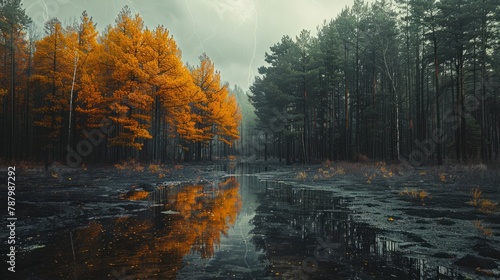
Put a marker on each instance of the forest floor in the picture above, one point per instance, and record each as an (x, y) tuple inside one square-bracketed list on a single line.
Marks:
[(448, 214)]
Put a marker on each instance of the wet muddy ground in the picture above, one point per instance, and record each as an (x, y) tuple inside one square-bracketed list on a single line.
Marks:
[(218, 221)]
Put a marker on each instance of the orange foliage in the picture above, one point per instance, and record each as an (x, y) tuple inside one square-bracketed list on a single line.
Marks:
[(219, 113), (134, 77), (53, 60), (131, 101)]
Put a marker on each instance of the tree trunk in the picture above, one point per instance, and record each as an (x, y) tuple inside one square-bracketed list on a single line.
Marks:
[(437, 93)]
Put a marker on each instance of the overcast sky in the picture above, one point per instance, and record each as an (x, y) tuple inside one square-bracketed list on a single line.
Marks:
[(235, 34)]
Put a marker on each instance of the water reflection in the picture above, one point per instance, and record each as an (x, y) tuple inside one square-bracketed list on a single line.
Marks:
[(313, 234), (239, 228), (150, 245)]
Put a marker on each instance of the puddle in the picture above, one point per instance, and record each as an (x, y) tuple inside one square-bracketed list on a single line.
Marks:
[(240, 228), (311, 234)]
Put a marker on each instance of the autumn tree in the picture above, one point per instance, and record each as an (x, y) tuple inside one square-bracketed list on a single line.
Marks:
[(130, 101), (218, 113), (89, 100), (53, 75), (172, 89)]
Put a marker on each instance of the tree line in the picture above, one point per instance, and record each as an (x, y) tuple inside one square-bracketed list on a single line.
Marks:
[(76, 94), (414, 80)]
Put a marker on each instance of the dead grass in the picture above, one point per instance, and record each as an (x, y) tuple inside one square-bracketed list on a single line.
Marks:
[(370, 177), (487, 206), (464, 174), (370, 171), (23, 165), (483, 205), (362, 168), (301, 175), (26, 164), (483, 230), (418, 194), (329, 171), (442, 177), (154, 168), (477, 195), (178, 167), (134, 166)]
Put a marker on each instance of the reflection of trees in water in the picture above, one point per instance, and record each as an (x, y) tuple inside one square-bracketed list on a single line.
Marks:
[(147, 249), (248, 190), (294, 224)]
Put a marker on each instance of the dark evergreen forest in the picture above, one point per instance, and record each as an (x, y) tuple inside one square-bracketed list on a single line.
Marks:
[(414, 80)]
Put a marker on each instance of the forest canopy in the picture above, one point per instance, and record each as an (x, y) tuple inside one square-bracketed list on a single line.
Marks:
[(74, 93), (414, 80)]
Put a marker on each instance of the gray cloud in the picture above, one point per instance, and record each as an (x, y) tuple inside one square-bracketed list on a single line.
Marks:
[(235, 34)]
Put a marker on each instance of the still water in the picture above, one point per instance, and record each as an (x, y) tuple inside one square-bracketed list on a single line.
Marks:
[(236, 228)]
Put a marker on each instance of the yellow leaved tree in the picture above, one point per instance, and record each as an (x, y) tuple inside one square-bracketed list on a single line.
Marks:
[(52, 77), (172, 88), (91, 102), (131, 101), (218, 113)]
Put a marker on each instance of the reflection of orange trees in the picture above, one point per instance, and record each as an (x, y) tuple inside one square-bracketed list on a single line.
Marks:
[(221, 214), (145, 250), (206, 216), (136, 195)]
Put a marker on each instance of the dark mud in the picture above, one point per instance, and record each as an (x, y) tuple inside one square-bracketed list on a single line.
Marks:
[(442, 234), (315, 222)]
